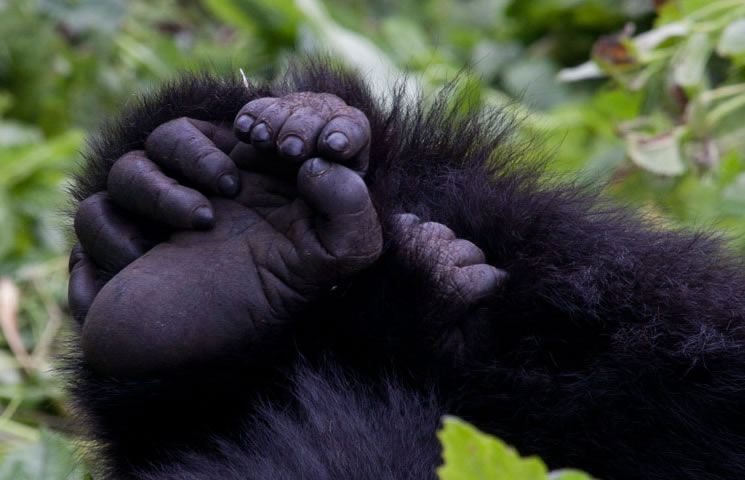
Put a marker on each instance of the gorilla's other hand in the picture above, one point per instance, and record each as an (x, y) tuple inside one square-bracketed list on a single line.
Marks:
[(298, 224)]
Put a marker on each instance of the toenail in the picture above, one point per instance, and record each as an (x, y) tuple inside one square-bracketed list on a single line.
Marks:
[(291, 146), (260, 133), (337, 141), (202, 218), (243, 124), (228, 185), (318, 167)]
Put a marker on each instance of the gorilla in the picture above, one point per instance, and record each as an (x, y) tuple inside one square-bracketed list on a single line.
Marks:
[(296, 280)]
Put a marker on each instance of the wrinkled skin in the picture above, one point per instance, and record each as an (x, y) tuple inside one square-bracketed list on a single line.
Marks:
[(274, 246), (245, 260), (615, 346)]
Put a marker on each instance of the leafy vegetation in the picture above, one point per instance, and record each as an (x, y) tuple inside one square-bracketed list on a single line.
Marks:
[(644, 97), (472, 455)]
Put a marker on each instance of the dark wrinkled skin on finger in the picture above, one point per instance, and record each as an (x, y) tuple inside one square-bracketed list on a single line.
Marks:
[(186, 148), (275, 247), (85, 283), (138, 185), (106, 235), (300, 126)]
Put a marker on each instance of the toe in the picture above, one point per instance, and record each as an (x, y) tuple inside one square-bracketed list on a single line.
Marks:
[(474, 283), (463, 253)]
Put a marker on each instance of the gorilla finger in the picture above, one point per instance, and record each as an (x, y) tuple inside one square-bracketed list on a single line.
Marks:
[(186, 147), (346, 139), (247, 115), (222, 136), (436, 230), (268, 124), (299, 134), (463, 253), (349, 225), (84, 283), (137, 184), (106, 235), (247, 158), (474, 283)]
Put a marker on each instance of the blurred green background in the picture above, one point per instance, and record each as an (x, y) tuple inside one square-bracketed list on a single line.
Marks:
[(646, 97)]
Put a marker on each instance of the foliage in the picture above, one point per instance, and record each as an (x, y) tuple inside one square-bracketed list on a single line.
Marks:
[(682, 87), (654, 114), (472, 455)]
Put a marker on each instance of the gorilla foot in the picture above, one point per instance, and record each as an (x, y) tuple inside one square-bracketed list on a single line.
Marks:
[(458, 268), (298, 224)]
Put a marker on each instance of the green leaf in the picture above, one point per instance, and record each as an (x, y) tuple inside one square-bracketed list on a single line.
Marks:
[(405, 38), (16, 133), (86, 15), (231, 12), (357, 50), (659, 154), (472, 455), (647, 41), (690, 63), (534, 80), (18, 164), (51, 458), (587, 70), (732, 41), (568, 475), (8, 223)]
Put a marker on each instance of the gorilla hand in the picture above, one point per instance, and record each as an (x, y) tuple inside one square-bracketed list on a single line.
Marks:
[(142, 205), (294, 229)]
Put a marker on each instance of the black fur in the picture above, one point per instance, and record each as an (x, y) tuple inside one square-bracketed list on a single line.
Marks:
[(615, 346)]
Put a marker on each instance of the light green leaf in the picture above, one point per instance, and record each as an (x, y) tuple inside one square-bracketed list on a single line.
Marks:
[(690, 63), (568, 475), (659, 154), (232, 13), (405, 38), (647, 41), (357, 50), (7, 223), (86, 15), (18, 164), (51, 458), (16, 133), (587, 70), (472, 455), (732, 41)]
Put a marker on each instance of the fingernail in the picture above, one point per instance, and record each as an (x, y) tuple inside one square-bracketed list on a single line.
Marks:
[(337, 141), (228, 185), (260, 133), (202, 218), (291, 146), (318, 167), (243, 123)]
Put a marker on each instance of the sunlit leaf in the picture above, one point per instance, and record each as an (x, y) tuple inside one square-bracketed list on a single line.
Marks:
[(83, 15), (732, 41), (354, 48), (645, 42), (568, 475), (659, 154), (472, 455), (51, 458), (690, 63), (16, 133), (585, 71)]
